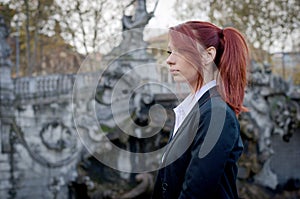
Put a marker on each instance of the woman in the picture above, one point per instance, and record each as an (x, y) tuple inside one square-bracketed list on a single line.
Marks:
[(205, 145)]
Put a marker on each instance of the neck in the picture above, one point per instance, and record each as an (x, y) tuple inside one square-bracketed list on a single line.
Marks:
[(208, 76), (195, 87)]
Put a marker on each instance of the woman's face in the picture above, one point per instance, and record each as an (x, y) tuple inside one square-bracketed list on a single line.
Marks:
[(181, 68)]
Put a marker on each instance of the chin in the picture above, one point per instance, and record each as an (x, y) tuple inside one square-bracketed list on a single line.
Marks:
[(179, 79)]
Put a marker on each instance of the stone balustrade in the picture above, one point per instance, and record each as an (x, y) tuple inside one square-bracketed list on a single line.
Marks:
[(42, 87)]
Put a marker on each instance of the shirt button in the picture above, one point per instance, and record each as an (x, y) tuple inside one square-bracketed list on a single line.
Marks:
[(164, 186)]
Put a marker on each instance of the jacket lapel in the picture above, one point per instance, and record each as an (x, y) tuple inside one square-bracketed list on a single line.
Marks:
[(187, 130)]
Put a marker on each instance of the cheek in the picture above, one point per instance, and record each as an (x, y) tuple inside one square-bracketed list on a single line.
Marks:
[(193, 75), (191, 71)]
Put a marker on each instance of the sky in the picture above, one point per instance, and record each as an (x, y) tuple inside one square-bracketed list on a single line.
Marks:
[(164, 15)]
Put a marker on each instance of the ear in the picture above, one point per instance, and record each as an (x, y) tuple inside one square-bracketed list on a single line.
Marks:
[(210, 55)]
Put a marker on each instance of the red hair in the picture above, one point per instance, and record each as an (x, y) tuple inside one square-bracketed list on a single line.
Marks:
[(232, 56)]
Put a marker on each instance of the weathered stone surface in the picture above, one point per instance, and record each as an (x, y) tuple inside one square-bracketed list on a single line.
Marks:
[(4, 194), (270, 134), (5, 184), (4, 166), (3, 157), (145, 186), (286, 159), (267, 177)]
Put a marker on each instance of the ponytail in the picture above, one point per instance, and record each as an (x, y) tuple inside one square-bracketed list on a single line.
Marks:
[(233, 67)]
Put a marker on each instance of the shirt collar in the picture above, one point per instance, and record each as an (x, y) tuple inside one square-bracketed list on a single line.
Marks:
[(205, 88), (185, 106)]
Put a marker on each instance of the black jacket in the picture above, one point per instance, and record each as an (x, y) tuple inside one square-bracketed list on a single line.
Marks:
[(200, 160)]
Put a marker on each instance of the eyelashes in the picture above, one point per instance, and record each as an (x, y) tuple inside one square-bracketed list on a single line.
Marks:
[(177, 51)]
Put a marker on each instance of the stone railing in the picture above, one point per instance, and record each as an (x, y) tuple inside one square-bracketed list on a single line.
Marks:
[(28, 87), (43, 87)]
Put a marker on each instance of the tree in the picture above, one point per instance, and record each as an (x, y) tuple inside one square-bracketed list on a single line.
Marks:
[(27, 32), (84, 25), (31, 19), (87, 24), (267, 24)]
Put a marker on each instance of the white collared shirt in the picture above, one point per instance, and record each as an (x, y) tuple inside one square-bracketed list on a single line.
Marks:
[(183, 109)]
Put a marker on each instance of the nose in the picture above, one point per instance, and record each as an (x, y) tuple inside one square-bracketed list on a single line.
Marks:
[(170, 60)]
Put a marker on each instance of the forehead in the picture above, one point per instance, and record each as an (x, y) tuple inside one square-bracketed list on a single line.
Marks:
[(185, 46), (180, 40), (177, 43)]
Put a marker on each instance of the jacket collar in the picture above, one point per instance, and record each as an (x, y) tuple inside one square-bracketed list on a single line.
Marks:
[(213, 92), (188, 129)]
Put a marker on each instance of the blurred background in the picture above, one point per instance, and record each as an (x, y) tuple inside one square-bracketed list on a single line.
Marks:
[(51, 51)]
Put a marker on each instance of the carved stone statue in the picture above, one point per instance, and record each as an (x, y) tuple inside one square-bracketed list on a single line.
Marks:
[(133, 27), (140, 18), (273, 119)]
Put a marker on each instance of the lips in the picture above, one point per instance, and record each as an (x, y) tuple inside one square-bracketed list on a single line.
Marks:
[(174, 71)]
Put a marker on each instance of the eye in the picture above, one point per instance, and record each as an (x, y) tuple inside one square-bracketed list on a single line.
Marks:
[(169, 52)]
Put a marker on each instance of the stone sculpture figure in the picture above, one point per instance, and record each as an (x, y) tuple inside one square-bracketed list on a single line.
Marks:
[(140, 18), (133, 27), (272, 120)]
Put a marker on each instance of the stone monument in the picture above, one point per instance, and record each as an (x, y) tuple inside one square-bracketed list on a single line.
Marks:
[(130, 61)]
